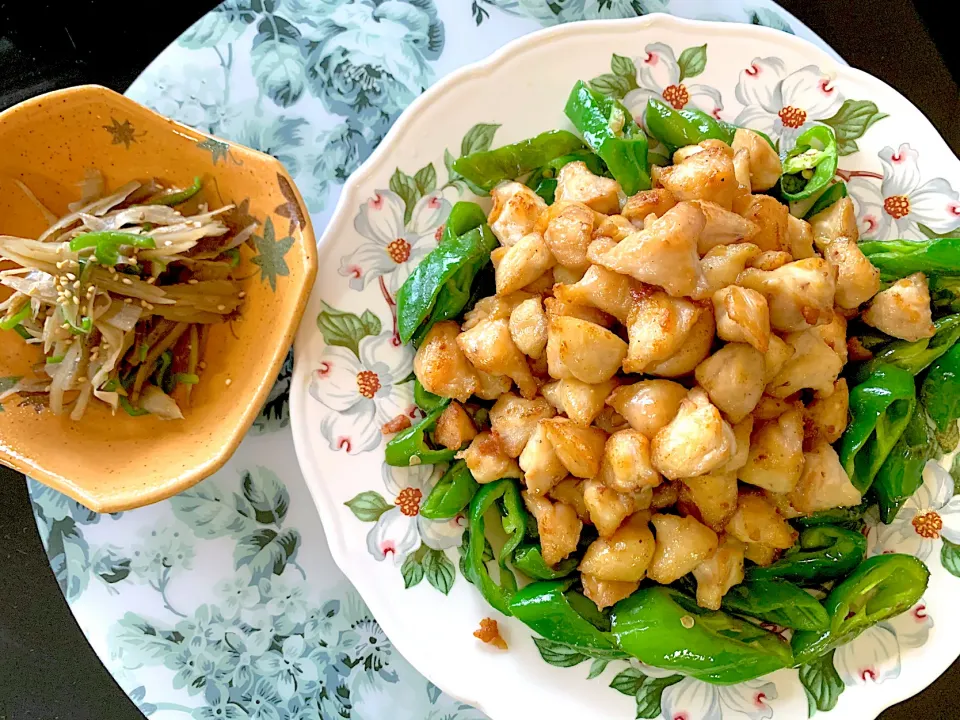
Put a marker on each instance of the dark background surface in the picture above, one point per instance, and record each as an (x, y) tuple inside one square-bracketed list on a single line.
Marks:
[(47, 669)]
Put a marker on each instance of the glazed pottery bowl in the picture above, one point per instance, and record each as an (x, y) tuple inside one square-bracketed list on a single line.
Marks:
[(352, 375), (115, 462)]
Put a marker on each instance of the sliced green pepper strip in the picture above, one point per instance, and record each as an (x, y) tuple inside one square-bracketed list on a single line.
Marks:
[(498, 595), (233, 255), (463, 217), (913, 356), (899, 258), (547, 608), (940, 392), (410, 446), (10, 322), (106, 244), (488, 168), (613, 134), (902, 472), (654, 625), (849, 518), (439, 287), (176, 197), (827, 198), (944, 294), (881, 588), (807, 168), (160, 374), (452, 493), (679, 128), (425, 400), (880, 408), (22, 332), (547, 189), (777, 602), (186, 378), (528, 559), (822, 553)]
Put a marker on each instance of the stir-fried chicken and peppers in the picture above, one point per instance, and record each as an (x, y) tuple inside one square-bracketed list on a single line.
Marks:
[(679, 389), (119, 292)]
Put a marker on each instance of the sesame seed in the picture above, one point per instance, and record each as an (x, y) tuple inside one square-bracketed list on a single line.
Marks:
[(687, 621), (202, 365), (143, 303), (76, 285), (66, 326), (167, 243), (151, 280), (76, 300), (82, 379), (228, 381), (193, 282), (71, 276), (242, 295), (221, 308), (127, 281), (60, 264), (47, 388), (128, 300), (148, 306)]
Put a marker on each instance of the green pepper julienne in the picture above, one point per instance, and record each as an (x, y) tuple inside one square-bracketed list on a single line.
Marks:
[(106, 244), (410, 447), (882, 587), (613, 134), (175, 197), (913, 356), (899, 258), (11, 321), (514, 521), (488, 168), (902, 472), (811, 164), (679, 128), (439, 287), (549, 609), (778, 602), (452, 493), (822, 553), (426, 400), (848, 518), (880, 408), (666, 629)]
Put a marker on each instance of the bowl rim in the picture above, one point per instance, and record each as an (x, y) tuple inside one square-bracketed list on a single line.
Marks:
[(306, 245), (404, 635)]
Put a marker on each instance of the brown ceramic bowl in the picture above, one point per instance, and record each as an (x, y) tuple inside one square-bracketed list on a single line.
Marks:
[(116, 462)]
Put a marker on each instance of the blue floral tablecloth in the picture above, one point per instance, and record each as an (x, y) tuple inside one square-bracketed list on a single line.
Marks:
[(224, 602)]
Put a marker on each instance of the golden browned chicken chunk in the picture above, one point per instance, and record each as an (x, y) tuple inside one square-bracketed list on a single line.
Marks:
[(522, 263), (664, 254), (580, 401), (799, 294), (695, 442), (489, 348), (721, 266), (576, 183), (516, 210), (903, 309), (769, 216), (825, 418), (705, 175), (455, 427), (723, 227), (604, 289), (649, 404), (682, 544), (824, 484), (742, 316), (627, 466), (776, 453), (799, 238), (734, 379), (657, 327), (694, 349), (558, 525), (569, 232), (648, 202), (528, 327), (608, 508), (440, 365), (583, 350), (605, 593), (541, 466), (487, 461), (838, 220), (719, 572), (813, 364), (579, 448), (513, 420), (756, 520), (625, 555), (765, 167), (857, 279), (713, 497)]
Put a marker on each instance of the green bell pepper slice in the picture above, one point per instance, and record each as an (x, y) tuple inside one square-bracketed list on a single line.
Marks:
[(439, 287), (12, 321), (913, 356), (666, 629), (810, 166), (827, 198), (902, 472), (452, 493), (944, 294), (106, 244), (411, 446), (425, 400), (613, 134), (822, 553), (881, 588), (849, 518), (777, 602), (679, 128), (880, 408), (551, 610), (940, 392), (488, 168), (528, 559), (175, 197), (899, 258), (513, 518)]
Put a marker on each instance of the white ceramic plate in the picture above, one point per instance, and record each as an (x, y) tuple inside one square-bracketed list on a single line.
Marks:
[(350, 369)]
